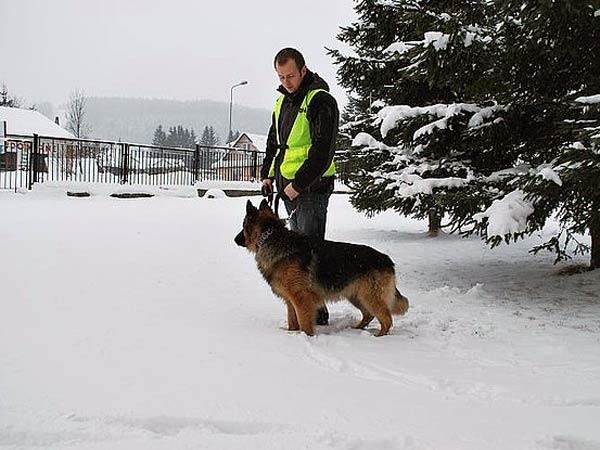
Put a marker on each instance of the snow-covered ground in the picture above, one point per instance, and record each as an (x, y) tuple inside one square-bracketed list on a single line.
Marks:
[(138, 324)]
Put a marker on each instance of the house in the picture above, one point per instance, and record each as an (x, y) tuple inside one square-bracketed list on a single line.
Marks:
[(26, 122), (248, 141), (244, 160), (21, 125)]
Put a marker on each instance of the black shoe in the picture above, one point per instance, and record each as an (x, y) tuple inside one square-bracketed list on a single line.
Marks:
[(323, 316)]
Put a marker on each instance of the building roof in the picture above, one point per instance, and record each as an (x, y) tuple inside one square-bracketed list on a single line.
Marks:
[(28, 122), (259, 140)]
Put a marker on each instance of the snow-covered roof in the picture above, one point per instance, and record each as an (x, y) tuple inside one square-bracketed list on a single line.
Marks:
[(259, 140), (27, 122)]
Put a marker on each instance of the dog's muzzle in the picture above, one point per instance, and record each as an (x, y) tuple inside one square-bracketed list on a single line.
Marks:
[(240, 239)]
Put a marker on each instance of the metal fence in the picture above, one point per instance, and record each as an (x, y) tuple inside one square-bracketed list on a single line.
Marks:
[(25, 160)]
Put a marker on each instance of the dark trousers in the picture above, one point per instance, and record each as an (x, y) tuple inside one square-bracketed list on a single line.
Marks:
[(308, 215)]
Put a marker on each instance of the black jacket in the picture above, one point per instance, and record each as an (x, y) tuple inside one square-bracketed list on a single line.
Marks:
[(323, 118)]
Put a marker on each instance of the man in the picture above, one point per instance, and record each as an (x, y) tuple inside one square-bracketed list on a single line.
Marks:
[(300, 147)]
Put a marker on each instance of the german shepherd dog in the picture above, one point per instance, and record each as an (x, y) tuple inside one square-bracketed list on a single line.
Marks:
[(306, 272)]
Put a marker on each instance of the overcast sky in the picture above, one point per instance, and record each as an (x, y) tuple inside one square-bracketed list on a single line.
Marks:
[(177, 49)]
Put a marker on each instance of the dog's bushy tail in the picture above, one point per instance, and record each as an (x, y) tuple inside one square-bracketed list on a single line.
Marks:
[(400, 304)]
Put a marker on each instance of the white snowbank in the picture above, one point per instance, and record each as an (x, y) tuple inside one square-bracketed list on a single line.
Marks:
[(215, 193), (140, 325)]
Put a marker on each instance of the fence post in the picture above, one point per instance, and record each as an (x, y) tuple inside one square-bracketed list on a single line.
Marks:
[(32, 160), (256, 174), (197, 163), (125, 163)]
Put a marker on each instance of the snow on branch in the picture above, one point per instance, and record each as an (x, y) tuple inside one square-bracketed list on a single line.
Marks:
[(549, 174), (437, 39), (479, 117), (589, 100), (440, 124), (366, 140), (401, 47), (475, 33), (392, 115), (409, 185), (521, 169), (388, 3), (507, 216), (406, 183)]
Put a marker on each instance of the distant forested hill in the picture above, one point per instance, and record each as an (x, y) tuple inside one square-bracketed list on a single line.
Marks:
[(134, 120)]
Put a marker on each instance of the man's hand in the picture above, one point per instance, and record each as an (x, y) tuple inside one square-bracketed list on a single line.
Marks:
[(290, 192), (267, 187), (268, 183)]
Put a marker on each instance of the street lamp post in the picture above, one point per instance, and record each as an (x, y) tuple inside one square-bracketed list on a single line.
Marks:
[(241, 83)]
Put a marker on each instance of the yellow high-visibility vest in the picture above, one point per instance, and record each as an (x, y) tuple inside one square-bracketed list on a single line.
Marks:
[(298, 142)]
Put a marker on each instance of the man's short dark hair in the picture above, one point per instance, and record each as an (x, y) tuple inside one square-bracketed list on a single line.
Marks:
[(285, 54)]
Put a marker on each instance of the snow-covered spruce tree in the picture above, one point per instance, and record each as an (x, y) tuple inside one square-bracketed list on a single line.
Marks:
[(513, 145), (555, 76), (402, 58)]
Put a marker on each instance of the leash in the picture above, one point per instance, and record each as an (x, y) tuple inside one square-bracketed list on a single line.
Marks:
[(273, 201), (276, 208), (291, 213)]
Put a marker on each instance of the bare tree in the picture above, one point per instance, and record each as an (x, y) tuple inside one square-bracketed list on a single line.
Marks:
[(76, 114)]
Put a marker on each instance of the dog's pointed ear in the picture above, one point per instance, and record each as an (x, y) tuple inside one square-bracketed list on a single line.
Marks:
[(250, 209), (264, 207)]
